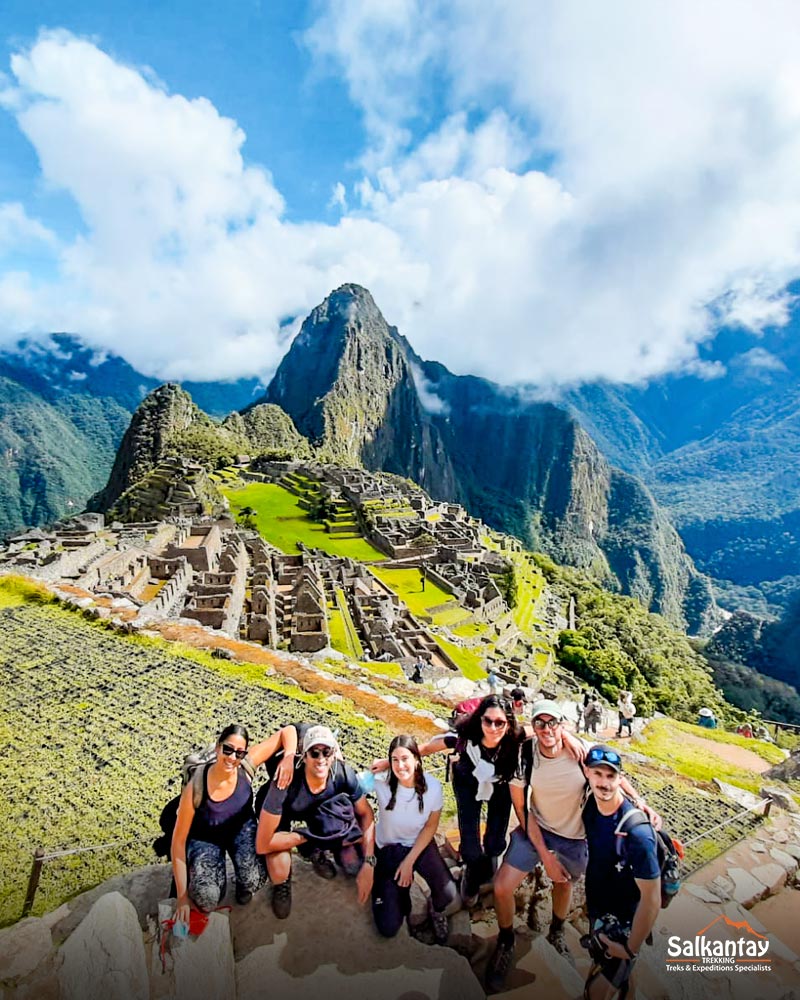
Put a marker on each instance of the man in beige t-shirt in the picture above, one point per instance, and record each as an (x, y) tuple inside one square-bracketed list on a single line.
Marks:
[(552, 798)]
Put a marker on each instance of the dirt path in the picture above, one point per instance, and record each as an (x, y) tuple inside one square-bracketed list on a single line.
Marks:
[(732, 754)]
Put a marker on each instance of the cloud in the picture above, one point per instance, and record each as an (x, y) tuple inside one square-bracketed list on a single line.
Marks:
[(758, 360), (427, 394), (18, 230), (550, 192)]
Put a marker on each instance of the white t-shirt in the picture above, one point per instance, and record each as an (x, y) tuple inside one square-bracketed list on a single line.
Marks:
[(402, 824)]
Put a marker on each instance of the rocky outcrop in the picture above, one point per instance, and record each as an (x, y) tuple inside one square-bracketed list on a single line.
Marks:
[(268, 431), (348, 385), (163, 415)]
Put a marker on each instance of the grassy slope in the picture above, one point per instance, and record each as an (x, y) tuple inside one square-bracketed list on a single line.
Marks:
[(106, 721), (283, 523), (662, 742)]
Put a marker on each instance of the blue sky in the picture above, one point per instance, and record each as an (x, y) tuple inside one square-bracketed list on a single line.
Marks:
[(542, 192)]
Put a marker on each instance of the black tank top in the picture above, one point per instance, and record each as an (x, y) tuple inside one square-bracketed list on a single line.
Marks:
[(219, 822)]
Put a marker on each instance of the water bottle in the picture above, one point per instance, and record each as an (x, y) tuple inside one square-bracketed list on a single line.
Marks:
[(366, 780)]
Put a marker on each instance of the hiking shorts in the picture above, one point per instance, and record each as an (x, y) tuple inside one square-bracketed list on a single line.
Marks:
[(522, 855)]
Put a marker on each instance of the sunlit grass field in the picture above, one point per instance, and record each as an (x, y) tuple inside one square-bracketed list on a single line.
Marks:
[(281, 521)]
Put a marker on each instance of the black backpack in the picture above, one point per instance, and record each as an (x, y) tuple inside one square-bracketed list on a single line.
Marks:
[(668, 850)]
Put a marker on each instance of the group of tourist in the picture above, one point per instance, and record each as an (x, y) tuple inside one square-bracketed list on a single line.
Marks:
[(568, 803)]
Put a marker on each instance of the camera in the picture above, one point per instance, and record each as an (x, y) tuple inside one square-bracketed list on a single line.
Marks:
[(613, 930)]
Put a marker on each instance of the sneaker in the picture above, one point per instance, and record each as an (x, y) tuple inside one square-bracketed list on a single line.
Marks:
[(558, 940), (282, 899), (499, 966), (243, 896), (440, 924), (322, 864), (468, 898)]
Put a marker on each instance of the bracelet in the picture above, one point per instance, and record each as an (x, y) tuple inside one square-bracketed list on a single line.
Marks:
[(631, 954)]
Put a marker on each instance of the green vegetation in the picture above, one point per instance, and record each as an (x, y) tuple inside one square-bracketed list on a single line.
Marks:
[(281, 521), (106, 722), (469, 661), (16, 590), (406, 584), (662, 744), (621, 646)]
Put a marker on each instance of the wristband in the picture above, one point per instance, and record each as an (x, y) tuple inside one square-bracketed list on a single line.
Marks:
[(631, 954)]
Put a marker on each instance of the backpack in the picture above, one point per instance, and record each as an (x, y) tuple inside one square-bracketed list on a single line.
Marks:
[(669, 852), (193, 772), (463, 711)]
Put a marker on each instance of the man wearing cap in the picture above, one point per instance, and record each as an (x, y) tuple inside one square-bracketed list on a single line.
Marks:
[(623, 883), (549, 791), (324, 796)]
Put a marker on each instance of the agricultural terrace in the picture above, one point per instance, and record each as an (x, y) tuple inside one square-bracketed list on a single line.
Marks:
[(100, 725), (282, 521)]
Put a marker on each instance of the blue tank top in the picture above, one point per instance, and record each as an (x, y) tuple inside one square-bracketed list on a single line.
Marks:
[(219, 822)]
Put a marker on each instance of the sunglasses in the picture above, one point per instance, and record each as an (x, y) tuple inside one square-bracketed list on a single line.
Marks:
[(546, 723), (317, 752), (230, 751), (494, 723), (600, 756)]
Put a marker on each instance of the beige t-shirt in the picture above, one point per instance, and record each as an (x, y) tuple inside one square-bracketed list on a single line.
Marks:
[(557, 793)]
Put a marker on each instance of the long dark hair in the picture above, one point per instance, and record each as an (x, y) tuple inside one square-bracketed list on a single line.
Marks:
[(471, 730), (234, 730), (420, 784)]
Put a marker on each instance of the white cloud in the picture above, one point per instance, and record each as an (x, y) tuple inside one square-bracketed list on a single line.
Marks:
[(18, 230), (758, 360), (552, 192), (427, 393)]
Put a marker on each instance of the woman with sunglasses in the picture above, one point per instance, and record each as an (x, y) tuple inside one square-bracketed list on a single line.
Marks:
[(486, 750), (410, 804), (224, 822)]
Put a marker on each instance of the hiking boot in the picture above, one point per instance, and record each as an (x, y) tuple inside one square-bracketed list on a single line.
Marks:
[(282, 899), (440, 924), (243, 896), (469, 897), (322, 864), (499, 966), (558, 940)]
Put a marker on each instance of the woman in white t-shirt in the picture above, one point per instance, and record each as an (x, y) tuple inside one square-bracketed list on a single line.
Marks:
[(410, 804)]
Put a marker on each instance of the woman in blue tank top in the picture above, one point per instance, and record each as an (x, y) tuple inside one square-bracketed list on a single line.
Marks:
[(223, 823)]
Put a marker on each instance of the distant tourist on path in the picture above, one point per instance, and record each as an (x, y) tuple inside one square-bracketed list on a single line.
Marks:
[(579, 722), (706, 719), (325, 796), (493, 681), (223, 823), (518, 703), (592, 715), (627, 711), (410, 804)]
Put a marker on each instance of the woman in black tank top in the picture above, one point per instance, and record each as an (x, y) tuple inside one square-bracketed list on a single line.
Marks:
[(223, 823)]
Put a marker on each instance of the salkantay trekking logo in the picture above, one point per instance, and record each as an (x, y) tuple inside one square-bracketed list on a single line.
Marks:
[(747, 952)]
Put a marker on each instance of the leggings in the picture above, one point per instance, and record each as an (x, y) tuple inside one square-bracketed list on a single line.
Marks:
[(205, 863), (390, 902)]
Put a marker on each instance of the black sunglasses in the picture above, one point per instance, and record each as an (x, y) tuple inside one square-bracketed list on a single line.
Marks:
[(546, 723), (493, 723), (317, 752), (600, 756), (230, 751)]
